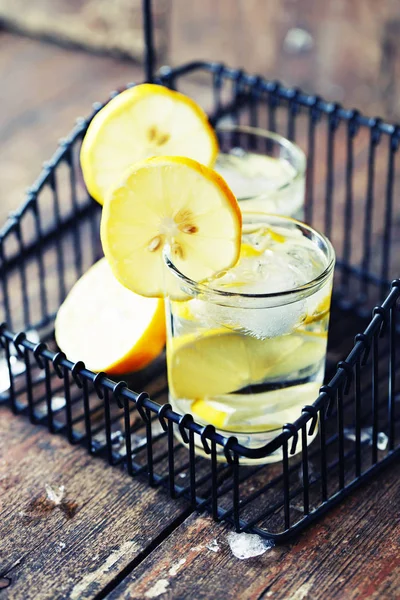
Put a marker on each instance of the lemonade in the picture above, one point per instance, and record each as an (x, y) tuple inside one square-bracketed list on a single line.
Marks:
[(247, 351)]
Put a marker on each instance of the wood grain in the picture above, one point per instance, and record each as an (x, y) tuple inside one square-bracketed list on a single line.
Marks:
[(74, 549), (92, 24), (44, 89), (345, 51), (353, 553)]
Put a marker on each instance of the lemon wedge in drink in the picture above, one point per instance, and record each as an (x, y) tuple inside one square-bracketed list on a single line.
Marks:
[(108, 327), (267, 411), (143, 121), (174, 206), (220, 361), (320, 311)]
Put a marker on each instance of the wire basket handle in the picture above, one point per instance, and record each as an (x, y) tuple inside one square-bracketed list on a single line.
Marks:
[(148, 41)]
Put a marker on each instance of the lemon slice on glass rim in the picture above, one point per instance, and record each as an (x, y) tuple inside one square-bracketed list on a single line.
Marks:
[(175, 203), (143, 121)]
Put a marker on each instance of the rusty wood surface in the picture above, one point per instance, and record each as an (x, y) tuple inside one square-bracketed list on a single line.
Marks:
[(73, 548), (43, 90), (353, 553), (108, 526), (348, 52)]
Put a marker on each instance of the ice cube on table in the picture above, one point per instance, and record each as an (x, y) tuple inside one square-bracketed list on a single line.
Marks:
[(247, 545), (366, 435)]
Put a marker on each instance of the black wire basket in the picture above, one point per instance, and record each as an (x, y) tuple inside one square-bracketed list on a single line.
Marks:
[(53, 238)]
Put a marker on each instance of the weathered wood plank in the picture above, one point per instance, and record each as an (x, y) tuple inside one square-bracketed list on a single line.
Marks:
[(38, 108), (345, 51), (75, 548), (352, 553), (92, 25)]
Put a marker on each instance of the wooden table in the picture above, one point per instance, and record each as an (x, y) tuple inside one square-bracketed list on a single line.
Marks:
[(110, 536), (114, 537)]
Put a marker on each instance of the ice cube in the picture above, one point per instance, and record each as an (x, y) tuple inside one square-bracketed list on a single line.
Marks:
[(267, 266), (213, 546), (366, 435), (247, 545), (17, 368), (54, 494), (260, 323)]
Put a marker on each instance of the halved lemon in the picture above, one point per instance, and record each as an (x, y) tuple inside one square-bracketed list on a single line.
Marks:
[(143, 121), (108, 327), (170, 205)]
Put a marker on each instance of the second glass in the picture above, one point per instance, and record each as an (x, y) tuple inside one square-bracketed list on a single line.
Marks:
[(247, 350), (264, 170)]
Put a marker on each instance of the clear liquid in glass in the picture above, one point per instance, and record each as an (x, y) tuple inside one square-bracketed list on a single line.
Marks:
[(249, 367)]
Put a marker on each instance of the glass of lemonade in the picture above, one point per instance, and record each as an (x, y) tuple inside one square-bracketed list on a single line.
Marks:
[(264, 170), (246, 351)]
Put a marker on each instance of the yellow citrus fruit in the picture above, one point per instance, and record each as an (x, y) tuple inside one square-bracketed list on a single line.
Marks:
[(143, 121), (108, 327), (170, 205), (320, 311), (265, 411), (220, 362)]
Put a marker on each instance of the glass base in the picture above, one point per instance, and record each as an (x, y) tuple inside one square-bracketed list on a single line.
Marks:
[(250, 440)]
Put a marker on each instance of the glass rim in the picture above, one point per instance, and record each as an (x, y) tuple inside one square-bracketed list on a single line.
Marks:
[(292, 147), (306, 288)]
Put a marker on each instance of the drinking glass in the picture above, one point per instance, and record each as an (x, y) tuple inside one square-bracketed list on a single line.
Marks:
[(246, 350), (264, 170)]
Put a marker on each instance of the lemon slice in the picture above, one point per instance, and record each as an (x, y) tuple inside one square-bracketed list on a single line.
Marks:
[(320, 311), (174, 203), (143, 121), (262, 412), (108, 327), (220, 362)]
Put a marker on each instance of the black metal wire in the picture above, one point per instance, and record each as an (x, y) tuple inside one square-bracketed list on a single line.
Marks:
[(357, 417), (75, 210), (313, 118), (392, 378), (323, 468), (148, 41), (352, 129), (68, 412), (375, 397), (304, 465), (375, 137), (340, 427), (40, 259), (59, 250), (333, 123), (387, 233), (149, 448), (286, 487), (106, 399)]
